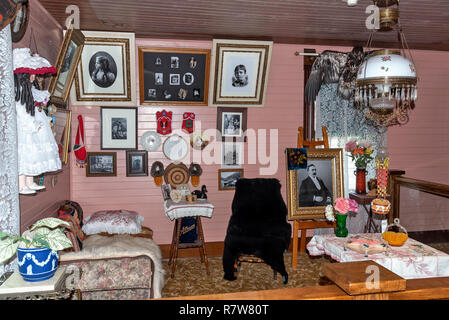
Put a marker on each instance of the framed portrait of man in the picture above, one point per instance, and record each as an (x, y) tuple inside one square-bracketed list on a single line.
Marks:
[(311, 189)]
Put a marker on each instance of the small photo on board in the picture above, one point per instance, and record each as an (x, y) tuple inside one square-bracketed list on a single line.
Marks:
[(158, 78), (188, 78), (167, 94), (152, 93), (193, 63), (227, 178), (174, 62), (182, 94), (196, 93), (175, 79)]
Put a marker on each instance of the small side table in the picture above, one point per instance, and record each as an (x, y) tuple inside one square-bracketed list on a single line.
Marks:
[(18, 289), (364, 200), (178, 211), (176, 245)]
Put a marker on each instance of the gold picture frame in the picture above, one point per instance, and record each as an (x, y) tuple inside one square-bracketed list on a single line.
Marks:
[(62, 128), (106, 71), (240, 71), (68, 58), (329, 168)]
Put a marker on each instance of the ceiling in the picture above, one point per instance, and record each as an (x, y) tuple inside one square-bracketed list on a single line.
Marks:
[(320, 22)]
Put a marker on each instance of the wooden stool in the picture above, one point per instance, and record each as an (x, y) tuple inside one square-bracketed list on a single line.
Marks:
[(175, 245)]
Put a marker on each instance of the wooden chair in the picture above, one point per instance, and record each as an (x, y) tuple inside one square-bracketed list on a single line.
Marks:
[(304, 225)]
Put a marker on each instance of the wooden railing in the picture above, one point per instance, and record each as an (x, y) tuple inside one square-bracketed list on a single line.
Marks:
[(397, 180)]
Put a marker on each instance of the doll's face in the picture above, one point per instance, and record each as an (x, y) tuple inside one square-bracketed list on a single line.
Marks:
[(32, 77)]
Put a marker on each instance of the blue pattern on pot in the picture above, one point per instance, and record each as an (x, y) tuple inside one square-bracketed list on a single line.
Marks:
[(37, 264)]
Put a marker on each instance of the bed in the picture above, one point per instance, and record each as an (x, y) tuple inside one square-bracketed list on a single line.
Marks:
[(106, 266)]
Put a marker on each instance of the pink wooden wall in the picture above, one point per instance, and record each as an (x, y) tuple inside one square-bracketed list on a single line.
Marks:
[(48, 37), (420, 147), (282, 112)]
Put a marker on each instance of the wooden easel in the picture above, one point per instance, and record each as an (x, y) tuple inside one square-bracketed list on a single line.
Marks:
[(304, 225)]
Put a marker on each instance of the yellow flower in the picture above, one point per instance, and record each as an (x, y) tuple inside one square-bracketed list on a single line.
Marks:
[(369, 150)]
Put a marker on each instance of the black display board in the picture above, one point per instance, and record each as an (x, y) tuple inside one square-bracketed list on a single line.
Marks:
[(174, 76)]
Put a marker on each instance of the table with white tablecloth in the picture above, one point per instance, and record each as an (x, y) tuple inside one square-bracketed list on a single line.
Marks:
[(201, 207), (412, 260)]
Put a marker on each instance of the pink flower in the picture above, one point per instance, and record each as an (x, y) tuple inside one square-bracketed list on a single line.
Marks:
[(353, 206), (351, 145), (344, 205), (341, 205)]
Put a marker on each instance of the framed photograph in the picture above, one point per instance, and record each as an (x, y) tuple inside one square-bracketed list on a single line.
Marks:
[(231, 155), (101, 164), (20, 23), (174, 76), (166, 189), (68, 58), (62, 128), (227, 178), (106, 71), (136, 163), (118, 128), (239, 72), (310, 190), (231, 123)]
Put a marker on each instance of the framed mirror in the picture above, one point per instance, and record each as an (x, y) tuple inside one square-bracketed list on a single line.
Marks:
[(175, 148), (68, 58), (62, 129)]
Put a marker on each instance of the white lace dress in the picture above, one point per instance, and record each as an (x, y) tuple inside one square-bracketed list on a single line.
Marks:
[(37, 148)]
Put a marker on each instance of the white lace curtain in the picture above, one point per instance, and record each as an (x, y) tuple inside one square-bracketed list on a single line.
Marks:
[(9, 197), (344, 123)]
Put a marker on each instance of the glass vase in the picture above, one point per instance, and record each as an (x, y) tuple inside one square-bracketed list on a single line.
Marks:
[(360, 181), (340, 229)]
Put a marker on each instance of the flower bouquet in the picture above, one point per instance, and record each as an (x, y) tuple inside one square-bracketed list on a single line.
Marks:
[(360, 152), (342, 206)]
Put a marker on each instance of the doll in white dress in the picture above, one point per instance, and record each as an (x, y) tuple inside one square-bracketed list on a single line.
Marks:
[(37, 148)]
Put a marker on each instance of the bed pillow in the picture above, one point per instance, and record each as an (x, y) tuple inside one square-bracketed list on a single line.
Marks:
[(113, 221)]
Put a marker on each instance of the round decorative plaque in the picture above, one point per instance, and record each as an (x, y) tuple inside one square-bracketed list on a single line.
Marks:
[(176, 174), (150, 141), (175, 148)]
